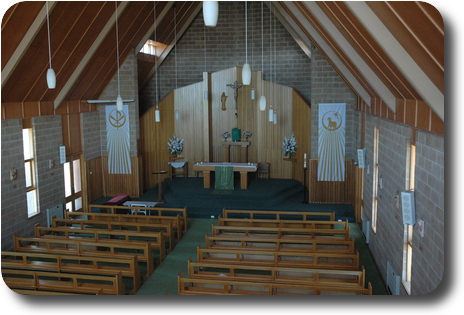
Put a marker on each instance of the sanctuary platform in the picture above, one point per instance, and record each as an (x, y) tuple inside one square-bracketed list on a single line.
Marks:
[(262, 194)]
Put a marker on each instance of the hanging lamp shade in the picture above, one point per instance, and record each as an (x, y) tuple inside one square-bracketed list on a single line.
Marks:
[(119, 103), (210, 13), (271, 115), (51, 78), (262, 103), (157, 115), (246, 74)]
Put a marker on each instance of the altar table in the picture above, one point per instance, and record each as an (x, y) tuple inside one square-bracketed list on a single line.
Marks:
[(208, 167)]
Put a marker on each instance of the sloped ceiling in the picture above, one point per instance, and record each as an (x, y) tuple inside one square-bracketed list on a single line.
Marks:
[(383, 50)]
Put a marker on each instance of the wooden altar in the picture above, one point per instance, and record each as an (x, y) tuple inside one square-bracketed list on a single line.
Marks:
[(244, 150)]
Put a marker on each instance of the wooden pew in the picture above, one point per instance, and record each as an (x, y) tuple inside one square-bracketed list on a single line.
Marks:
[(303, 224), (165, 229), (278, 215), (127, 266), (263, 243), (294, 233), (280, 258), (87, 248), (240, 272), (63, 282), (126, 218), (154, 239), (156, 211), (188, 286), (35, 292)]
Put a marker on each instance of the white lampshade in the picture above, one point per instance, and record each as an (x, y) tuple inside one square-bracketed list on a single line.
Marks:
[(119, 103), (246, 74), (262, 103), (51, 78), (253, 94), (210, 13), (157, 115), (271, 115), (275, 118), (177, 114)]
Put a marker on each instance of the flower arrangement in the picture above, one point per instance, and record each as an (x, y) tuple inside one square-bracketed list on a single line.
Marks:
[(289, 146), (247, 134), (225, 135), (175, 145)]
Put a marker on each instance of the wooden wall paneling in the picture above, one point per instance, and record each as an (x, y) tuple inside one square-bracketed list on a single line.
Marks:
[(302, 129), (206, 110), (222, 120), (122, 184), (154, 138), (190, 125)]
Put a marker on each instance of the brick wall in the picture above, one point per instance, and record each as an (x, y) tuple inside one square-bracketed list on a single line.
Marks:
[(328, 87), (387, 243), (225, 48), (50, 183), (129, 90), (91, 135)]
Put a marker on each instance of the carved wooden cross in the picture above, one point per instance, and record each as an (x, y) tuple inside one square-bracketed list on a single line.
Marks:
[(235, 86)]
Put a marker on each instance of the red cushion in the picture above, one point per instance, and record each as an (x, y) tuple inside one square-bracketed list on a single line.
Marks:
[(117, 200)]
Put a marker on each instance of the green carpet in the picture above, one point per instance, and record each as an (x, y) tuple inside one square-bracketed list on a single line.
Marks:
[(164, 279)]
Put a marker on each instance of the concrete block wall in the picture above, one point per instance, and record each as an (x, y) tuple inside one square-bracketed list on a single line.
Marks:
[(328, 87), (50, 181), (129, 90), (387, 243), (91, 135), (224, 47)]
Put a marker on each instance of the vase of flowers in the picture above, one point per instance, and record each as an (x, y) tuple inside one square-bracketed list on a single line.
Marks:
[(247, 134), (225, 135), (289, 146), (175, 145)]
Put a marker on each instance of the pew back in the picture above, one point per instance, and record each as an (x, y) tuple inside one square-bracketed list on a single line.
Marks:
[(304, 224), (278, 215)]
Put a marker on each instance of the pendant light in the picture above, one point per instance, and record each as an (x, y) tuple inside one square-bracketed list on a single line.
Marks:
[(210, 13), (262, 99), (246, 71), (157, 112), (118, 99), (51, 77)]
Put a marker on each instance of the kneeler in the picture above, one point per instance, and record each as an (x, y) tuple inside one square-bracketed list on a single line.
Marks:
[(224, 177)]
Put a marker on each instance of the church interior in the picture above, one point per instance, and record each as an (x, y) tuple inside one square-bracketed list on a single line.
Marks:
[(316, 129)]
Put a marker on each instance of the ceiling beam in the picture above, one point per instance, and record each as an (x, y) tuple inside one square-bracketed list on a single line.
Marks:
[(26, 41), (293, 29), (324, 46), (377, 84), (88, 56), (411, 70)]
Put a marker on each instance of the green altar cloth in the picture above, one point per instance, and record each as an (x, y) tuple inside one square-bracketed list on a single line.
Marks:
[(224, 177)]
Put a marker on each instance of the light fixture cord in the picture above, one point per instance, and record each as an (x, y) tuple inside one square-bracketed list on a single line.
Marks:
[(246, 32), (262, 38), (48, 31), (156, 57), (117, 46), (175, 41)]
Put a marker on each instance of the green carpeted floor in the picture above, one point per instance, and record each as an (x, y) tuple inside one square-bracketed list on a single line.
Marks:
[(164, 279)]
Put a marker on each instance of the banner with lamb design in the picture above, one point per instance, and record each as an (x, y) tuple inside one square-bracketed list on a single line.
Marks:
[(331, 142)]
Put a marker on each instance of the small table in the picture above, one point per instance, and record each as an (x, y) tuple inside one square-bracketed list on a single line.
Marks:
[(179, 165), (208, 167), (138, 203), (244, 149)]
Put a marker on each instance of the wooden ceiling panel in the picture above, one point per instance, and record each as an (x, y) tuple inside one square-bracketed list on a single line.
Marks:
[(15, 24), (419, 28), (369, 50)]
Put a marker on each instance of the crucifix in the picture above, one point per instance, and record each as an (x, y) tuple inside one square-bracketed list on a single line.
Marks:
[(235, 86)]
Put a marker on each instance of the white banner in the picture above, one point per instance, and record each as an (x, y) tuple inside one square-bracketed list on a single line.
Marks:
[(118, 140), (331, 141)]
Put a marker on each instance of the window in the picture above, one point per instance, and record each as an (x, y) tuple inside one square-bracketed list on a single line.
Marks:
[(29, 171), (375, 171), (153, 48), (72, 184), (408, 229)]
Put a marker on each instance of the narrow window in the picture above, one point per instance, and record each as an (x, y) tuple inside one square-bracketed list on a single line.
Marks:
[(408, 229), (72, 184), (29, 170), (375, 171)]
